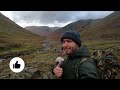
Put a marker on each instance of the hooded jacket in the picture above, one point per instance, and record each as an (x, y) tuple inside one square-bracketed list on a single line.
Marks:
[(87, 69)]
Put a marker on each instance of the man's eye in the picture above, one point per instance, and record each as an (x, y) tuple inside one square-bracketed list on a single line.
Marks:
[(69, 41)]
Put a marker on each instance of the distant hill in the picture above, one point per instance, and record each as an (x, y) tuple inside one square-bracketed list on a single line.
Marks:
[(75, 25), (107, 28), (41, 30)]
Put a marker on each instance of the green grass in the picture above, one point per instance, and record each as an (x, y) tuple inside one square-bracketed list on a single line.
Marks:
[(103, 45)]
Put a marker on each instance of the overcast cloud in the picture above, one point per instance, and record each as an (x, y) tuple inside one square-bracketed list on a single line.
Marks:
[(52, 18)]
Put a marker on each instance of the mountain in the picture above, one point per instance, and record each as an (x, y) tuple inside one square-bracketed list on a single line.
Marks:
[(14, 38), (54, 28), (107, 28), (41, 30)]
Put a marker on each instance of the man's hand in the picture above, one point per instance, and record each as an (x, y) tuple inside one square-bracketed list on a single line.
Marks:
[(58, 71)]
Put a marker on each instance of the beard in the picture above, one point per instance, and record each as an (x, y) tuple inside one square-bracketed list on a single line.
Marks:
[(70, 50)]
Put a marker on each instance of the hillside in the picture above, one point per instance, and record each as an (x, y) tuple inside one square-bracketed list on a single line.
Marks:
[(106, 28), (14, 38), (41, 30)]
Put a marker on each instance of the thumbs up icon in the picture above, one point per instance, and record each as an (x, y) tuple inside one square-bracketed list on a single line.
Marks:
[(16, 65)]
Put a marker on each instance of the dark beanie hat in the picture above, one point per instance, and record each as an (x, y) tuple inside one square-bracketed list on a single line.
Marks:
[(75, 36)]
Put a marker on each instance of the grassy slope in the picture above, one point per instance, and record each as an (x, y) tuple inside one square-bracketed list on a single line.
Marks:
[(14, 39)]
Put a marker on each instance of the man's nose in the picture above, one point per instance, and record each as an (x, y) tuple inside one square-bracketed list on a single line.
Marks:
[(65, 44)]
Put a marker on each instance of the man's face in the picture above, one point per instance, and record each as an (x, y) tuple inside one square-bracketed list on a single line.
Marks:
[(69, 46)]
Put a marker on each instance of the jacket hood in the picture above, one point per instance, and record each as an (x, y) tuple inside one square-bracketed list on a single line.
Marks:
[(82, 52)]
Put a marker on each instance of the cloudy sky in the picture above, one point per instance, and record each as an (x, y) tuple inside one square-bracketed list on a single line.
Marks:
[(52, 18)]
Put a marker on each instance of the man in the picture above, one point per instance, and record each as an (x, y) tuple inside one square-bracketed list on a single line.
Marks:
[(75, 52)]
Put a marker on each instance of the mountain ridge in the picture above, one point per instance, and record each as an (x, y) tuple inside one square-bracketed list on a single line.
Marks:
[(106, 28), (41, 30)]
